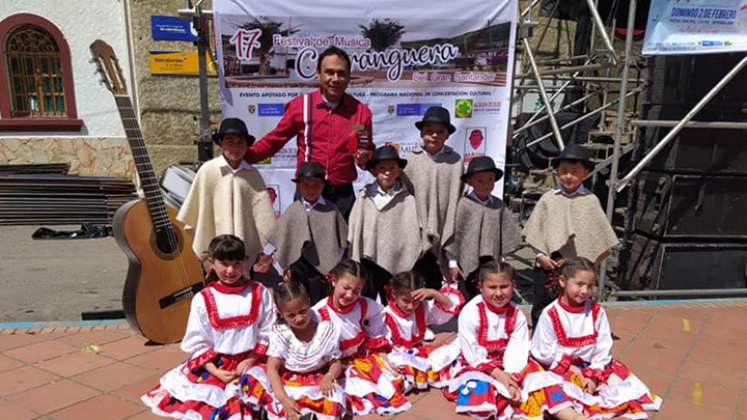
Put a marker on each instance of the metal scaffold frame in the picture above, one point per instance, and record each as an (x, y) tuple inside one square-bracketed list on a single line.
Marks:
[(593, 87)]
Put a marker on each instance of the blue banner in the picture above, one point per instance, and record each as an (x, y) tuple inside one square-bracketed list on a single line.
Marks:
[(171, 28), (696, 27)]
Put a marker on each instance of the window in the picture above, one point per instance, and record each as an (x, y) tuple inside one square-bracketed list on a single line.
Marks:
[(36, 92)]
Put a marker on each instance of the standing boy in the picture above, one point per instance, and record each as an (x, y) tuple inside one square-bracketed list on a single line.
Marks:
[(228, 196), (567, 222), (433, 175), (310, 238)]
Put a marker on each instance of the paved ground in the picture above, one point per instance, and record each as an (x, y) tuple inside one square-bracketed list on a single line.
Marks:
[(692, 355)]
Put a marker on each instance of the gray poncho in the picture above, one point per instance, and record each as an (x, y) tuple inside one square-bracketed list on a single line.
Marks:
[(390, 237), (482, 230), (573, 226), (319, 235)]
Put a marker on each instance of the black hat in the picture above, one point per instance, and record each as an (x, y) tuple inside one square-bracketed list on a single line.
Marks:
[(232, 126), (482, 164), (576, 153), (436, 114), (385, 153), (309, 170)]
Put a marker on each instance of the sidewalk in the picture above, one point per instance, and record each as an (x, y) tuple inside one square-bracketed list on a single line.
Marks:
[(694, 355)]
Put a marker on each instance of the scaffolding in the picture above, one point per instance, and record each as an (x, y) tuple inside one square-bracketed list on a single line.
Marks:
[(607, 89)]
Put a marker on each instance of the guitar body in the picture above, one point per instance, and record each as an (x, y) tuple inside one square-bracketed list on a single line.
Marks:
[(159, 285)]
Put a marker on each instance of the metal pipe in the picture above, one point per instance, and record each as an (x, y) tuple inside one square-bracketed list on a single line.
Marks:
[(543, 94), (702, 103), (528, 10), (603, 164), (584, 78), (581, 118), (679, 292), (571, 69), (531, 123), (204, 143), (557, 60), (691, 124), (598, 22), (619, 131)]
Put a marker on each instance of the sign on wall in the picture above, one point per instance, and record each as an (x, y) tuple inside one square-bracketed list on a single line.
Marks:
[(172, 28), (175, 62), (696, 27), (406, 57)]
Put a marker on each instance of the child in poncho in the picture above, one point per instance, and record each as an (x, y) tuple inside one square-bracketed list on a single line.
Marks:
[(485, 229), (310, 238), (228, 196), (566, 223), (303, 363), (573, 342), (227, 333)]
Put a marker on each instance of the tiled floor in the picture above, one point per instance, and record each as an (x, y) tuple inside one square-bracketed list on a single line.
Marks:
[(694, 356)]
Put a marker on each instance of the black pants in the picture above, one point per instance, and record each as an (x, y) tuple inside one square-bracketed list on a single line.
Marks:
[(469, 287), (343, 196), (311, 278), (427, 267), (542, 296), (376, 280)]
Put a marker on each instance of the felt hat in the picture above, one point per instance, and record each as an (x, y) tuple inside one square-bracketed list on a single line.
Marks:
[(232, 126), (481, 164), (385, 153), (309, 170), (436, 114), (574, 152)]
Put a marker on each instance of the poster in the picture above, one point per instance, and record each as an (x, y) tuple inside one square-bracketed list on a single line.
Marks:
[(406, 57), (696, 27)]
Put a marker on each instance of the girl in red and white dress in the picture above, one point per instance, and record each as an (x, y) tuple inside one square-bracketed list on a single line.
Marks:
[(227, 333), (370, 385), (303, 363), (411, 309), (572, 340)]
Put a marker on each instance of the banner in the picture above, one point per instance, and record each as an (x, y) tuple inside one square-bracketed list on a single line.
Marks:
[(406, 57), (696, 27)]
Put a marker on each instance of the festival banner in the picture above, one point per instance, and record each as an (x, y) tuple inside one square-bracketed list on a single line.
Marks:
[(696, 27), (406, 57)]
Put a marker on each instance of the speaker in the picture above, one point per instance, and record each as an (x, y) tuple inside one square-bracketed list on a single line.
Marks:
[(691, 207), (661, 265), (685, 79), (697, 150)]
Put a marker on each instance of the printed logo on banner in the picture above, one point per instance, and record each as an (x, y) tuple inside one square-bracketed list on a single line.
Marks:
[(271, 110), (390, 109), (475, 141), (252, 109), (413, 110), (273, 192), (486, 107), (463, 108)]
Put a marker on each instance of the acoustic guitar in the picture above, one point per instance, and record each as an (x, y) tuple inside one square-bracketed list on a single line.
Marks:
[(164, 273)]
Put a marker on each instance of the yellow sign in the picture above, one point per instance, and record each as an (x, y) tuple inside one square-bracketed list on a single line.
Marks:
[(185, 63)]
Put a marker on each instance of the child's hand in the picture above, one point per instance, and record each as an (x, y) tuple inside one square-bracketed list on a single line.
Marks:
[(286, 275), (225, 376), (245, 365), (327, 386), (547, 263), (590, 385), (423, 294), (511, 385), (290, 408), (576, 370), (263, 264)]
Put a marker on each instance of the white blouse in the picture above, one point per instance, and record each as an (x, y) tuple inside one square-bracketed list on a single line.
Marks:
[(229, 320), (488, 335), (356, 323), (305, 356), (406, 331), (565, 333)]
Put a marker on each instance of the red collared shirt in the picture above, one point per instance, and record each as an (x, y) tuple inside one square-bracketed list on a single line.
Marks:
[(330, 135)]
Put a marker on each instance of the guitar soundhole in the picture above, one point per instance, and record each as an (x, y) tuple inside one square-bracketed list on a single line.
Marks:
[(166, 242)]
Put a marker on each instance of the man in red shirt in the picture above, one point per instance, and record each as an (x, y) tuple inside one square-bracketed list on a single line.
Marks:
[(330, 126)]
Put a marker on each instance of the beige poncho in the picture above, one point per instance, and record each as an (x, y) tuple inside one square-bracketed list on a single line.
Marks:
[(481, 230), (390, 237), (221, 202), (573, 226), (437, 186), (320, 235)]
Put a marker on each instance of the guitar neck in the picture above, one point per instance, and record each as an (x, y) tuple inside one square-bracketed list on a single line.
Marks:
[(148, 180)]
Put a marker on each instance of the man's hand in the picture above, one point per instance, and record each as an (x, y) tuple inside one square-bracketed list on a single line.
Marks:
[(547, 263), (263, 264), (361, 157), (454, 274)]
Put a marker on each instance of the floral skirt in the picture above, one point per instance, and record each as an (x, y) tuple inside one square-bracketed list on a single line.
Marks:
[(424, 366), (254, 390), (189, 392), (372, 387)]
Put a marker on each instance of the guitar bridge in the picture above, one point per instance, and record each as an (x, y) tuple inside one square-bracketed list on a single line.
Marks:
[(180, 295)]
